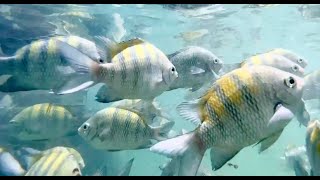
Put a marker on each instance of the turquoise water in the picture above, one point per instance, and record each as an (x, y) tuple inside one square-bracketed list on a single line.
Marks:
[(232, 32)]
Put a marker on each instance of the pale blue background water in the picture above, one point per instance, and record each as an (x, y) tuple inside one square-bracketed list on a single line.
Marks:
[(233, 33)]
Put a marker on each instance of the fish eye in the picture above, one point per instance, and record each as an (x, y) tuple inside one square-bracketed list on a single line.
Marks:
[(295, 68), (290, 82), (85, 127), (101, 60), (173, 69), (300, 60), (215, 60)]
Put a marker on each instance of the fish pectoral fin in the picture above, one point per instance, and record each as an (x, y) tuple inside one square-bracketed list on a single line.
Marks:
[(196, 70), (281, 117), (74, 84), (269, 141), (220, 156), (190, 111), (156, 80)]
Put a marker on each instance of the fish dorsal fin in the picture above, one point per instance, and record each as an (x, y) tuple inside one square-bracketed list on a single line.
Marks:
[(143, 116), (111, 48)]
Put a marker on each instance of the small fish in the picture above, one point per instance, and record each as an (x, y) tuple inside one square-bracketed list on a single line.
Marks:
[(115, 129), (9, 166), (58, 161), (43, 122), (248, 105), (37, 66), (268, 59), (313, 146), (196, 66)]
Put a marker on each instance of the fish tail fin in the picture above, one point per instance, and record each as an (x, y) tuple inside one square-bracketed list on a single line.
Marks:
[(87, 70), (187, 147), (161, 132)]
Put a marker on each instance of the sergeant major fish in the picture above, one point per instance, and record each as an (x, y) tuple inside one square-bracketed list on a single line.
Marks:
[(43, 122), (115, 129), (246, 106), (58, 161), (196, 66), (38, 66), (140, 71)]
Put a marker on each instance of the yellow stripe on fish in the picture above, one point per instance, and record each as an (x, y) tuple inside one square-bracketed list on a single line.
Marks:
[(151, 51), (256, 60), (35, 111), (52, 47), (35, 49), (246, 77), (73, 41), (57, 163), (314, 135)]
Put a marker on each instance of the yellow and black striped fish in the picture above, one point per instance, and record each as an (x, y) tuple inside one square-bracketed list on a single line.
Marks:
[(58, 161), (248, 105), (43, 121), (39, 64), (121, 129)]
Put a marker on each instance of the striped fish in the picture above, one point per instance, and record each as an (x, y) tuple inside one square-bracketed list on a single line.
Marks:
[(58, 161), (313, 146), (269, 59), (312, 86), (9, 166), (196, 66), (140, 71), (42, 122), (39, 64), (120, 129), (246, 106), (149, 109)]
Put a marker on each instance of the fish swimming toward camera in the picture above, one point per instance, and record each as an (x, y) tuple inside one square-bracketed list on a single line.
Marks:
[(246, 106)]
